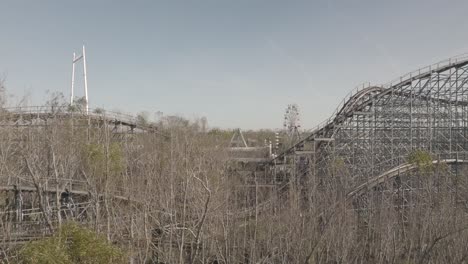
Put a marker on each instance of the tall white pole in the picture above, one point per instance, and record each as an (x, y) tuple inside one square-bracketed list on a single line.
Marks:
[(85, 80), (73, 78)]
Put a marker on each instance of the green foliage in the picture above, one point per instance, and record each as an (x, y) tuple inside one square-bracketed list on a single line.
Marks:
[(116, 160), (47, 250), (79, 105), (422, 159), (338, 165), (338, 162), (71, 244), (96, 156)]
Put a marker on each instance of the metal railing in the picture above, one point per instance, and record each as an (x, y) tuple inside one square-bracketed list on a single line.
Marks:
[(96, 113), (341, 104), (462, 58), (49, 185), (408, 76), (456, 60)]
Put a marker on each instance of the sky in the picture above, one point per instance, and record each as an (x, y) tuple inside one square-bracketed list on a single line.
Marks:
[(239, 63)]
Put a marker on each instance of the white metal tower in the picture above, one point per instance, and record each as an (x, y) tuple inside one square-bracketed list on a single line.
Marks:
[(75, 60)]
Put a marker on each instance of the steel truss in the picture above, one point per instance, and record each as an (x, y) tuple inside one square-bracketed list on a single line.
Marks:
[(375, 128)]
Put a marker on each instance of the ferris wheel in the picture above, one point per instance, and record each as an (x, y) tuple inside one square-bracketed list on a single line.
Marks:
[(292, 120)]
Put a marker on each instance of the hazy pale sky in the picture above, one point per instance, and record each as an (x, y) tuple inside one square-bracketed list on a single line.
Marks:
[(238, 62)]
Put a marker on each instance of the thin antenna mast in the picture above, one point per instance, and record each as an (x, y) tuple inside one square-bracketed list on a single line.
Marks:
[(73, 78), (85, 80)]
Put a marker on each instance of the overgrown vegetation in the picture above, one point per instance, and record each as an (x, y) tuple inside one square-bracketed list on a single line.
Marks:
[(99, 157), (71, 244), (422, 159), (174, 196)]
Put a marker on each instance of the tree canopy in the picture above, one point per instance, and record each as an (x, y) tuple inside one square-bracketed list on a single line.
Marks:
[(71, 244)]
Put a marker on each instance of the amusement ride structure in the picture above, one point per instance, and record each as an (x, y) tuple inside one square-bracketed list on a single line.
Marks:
[(369, 136)]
